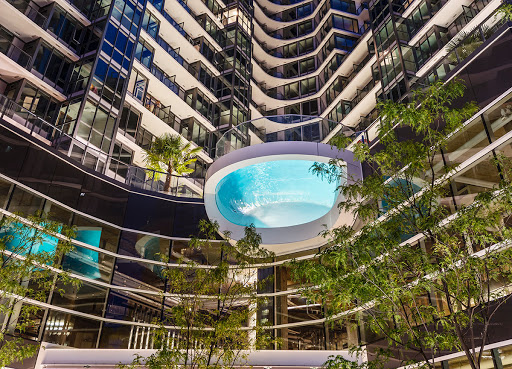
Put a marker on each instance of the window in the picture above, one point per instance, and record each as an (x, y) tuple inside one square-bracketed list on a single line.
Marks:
[(151, 24), (499, 118), (291, 91), (71, 330), (307, 66), (24, 202), (128, 14), (118, 44), (96, 126), (345, 23), (343, 5), (304, 10), (130, 120), (65, 28), (390, 66), (38, 102), (68, 114), (310, 107), (195, 132), (80, 76), (308, 86), (144, 138), (122, 157), (344, 42), (52, 65), (108, 83), (144, 53), (137, 85)]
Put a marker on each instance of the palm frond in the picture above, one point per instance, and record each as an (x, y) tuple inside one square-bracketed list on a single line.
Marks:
[(196, 151), (186, 170), (168, 152), (190, 161)]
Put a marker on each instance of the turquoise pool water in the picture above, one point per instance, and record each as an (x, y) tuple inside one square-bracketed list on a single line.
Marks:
[(275, 194)]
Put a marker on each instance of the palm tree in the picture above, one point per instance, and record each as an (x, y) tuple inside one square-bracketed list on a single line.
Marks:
[(169, 154)]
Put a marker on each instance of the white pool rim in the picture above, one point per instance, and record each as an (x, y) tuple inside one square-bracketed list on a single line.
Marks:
[(280, 239)]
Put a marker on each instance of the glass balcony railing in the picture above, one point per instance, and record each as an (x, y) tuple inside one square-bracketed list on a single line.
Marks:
[(171, 84), (275, 128), (183, 3), (62, 31), (30, 12), (131, 175), (176, 56), (461, 48), (170, 19), (14, 53)]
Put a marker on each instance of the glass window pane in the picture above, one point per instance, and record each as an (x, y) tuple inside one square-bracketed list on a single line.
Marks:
[(71, 330)]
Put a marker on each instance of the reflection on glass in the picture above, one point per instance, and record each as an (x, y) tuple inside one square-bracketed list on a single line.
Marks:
[(70, 330), (138, 275), (87, 298), (481, 176), (311, 337), (466, 143), (109, 236), (24, 202), (341, 336), (81, 260), (500, 117)]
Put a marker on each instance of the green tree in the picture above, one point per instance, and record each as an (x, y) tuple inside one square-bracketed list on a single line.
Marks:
[(169, 154), (505, 10), (423, 274), (210, 316), (32, 250)]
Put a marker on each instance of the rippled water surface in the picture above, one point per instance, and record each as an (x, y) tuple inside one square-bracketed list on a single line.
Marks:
[(275, 194)]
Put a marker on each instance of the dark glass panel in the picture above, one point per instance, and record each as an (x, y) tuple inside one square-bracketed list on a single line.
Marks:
[(24, 202), (66, 184), (187, 218), (105, 237), (103, 200), (143, 246), (115, 336), (150, 214), (12, 153), (38, 168), (71, 330), (5, 188), (87, 298)]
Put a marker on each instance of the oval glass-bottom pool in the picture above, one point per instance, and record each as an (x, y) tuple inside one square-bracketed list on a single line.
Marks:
[(275, 194)]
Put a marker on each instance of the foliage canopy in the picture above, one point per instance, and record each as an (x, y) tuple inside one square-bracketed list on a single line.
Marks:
[(416, 269), (168, 153), (32, 251), (210, 314)]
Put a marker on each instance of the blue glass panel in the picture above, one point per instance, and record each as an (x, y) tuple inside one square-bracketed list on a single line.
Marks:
[(23, 240), (85, 261), (111, 33), (121, 41), (101, 70)]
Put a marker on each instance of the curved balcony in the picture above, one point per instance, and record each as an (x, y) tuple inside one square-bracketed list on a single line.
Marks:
[(93, 158), (275, 128)]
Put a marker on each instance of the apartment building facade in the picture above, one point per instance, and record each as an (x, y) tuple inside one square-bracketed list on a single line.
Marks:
[(86, 86)]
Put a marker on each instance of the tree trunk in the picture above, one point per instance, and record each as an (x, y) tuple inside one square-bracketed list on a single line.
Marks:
[(168, 178), (167, 184)]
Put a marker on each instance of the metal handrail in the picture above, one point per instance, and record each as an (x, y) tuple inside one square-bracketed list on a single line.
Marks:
[(132, 175)]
